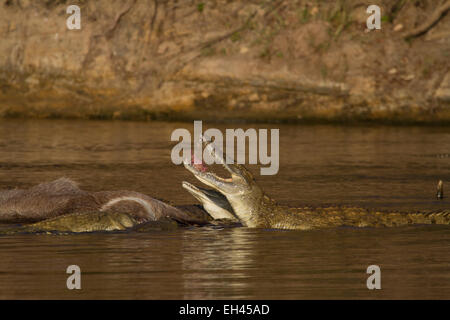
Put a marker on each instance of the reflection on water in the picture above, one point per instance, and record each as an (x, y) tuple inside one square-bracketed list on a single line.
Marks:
[(375, 166)]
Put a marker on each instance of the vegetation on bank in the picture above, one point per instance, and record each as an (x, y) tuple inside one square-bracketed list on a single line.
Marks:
[(270, 61)]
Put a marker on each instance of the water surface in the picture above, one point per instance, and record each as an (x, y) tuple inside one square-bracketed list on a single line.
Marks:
[(396, 167)]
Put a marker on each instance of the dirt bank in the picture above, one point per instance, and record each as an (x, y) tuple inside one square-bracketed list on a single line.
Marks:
[(226, 60)]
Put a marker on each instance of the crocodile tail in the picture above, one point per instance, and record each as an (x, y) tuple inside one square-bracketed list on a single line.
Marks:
[(436, 217), (393, 219)]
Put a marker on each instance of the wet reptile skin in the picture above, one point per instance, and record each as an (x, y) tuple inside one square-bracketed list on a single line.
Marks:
[(251, 206), (77, 222), (272, 215), (95, 221), (256, 210)]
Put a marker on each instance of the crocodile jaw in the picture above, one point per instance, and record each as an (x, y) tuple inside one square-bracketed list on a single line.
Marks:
[(241, 191), (215, 207)]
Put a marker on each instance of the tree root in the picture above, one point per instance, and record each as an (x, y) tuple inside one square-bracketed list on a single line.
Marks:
[(429, 23)]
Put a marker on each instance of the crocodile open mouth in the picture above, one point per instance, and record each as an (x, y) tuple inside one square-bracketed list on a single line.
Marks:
[(214, 202), (195, 191), (239, 180), (199, 166), (209, 178), (205, 195), (203, 172)]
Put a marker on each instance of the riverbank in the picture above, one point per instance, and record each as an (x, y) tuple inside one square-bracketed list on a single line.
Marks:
[(271, 61)]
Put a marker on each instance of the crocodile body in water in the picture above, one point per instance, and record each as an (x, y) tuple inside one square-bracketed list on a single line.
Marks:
[(61, 206), (81, 222), (255, 209)]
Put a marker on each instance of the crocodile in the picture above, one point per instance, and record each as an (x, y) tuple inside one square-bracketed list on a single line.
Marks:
[(61, 206), (83, 222), (76, 222), (255, 209), (212, 202)]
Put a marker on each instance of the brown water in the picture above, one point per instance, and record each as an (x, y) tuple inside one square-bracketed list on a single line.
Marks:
[(370, 166)]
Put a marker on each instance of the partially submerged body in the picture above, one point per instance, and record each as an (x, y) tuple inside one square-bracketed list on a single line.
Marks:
[(62, 206), (255, 209), (77, 222), (63, 196), (90, 222)]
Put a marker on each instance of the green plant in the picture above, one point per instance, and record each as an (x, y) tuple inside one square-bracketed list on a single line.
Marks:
[(208, 51), (323, 70), (235, 36), (428, 64), (304, 15), (386, 18), (339, 18), (265, 53)]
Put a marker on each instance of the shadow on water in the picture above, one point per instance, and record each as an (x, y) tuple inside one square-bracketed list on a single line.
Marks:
[(376, 166)]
